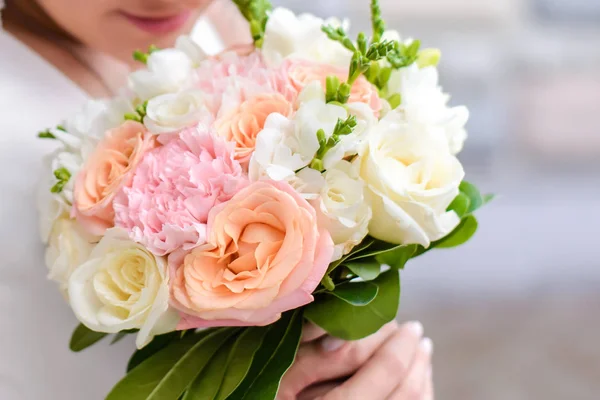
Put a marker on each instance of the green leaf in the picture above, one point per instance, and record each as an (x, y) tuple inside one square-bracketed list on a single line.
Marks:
[(119, 336), (207, 383), (488, 197), (398, 256), (367, 270), (169, 372), (365, 244), (471, 191), (349, 322), (378, 247), (272, 360), (157, 344), (83, 337), (356, 293), (460, 205), (463, 232), (240, 360)]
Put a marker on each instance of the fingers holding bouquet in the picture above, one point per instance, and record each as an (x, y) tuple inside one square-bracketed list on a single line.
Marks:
[(393, 363)]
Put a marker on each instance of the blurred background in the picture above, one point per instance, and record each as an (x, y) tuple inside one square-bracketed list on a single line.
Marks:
[(514, 314)]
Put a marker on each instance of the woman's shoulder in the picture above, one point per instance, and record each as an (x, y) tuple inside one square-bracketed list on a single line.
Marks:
[(34, 93)]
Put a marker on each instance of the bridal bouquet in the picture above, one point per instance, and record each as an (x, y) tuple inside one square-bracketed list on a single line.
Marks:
[(221, 201)]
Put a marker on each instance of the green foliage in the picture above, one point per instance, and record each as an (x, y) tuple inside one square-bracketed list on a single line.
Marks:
[(141, 56), (157, 344), (272, 360), (356, 293), (256, 13), (168, 373), (121, 335), (463, 232), (398, 256), (350, 322), (83, 337), (367, 270), (62, 176), (342, 128), (46, 134), (429, 58), (139, 113), (376, 21)]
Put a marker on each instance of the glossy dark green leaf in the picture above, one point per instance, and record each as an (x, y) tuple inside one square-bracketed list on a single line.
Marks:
[(349, 322), (475, 199), (367, 270), (356, 293), (240, 359), (397, 257), (169, 372), (121, 335), (365, 244), (157, 344), (207, 383), (460, 205), (463, 232), (83, 337), (272, 360)]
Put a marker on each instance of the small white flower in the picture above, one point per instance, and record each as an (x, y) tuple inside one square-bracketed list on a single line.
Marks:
[(342, 208), (173, 111), (187, 45), (411, 178), (68, 247), (167, 71), (122, 286), (52, 205), (423, 101), (288, 35)]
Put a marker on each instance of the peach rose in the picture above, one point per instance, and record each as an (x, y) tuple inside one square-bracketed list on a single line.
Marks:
[(243, 124), (302, 72), (106, 171), (265, 255)]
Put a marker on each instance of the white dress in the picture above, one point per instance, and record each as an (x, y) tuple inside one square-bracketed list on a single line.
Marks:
[(35, 321)]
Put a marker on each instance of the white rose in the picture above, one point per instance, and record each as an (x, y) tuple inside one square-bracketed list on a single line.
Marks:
[(53, 205), (288, 35), (68, 247), (423, 101), (342, 207), (191, 49), (123, 286), (412, 178), (173, 111), (167, 71)]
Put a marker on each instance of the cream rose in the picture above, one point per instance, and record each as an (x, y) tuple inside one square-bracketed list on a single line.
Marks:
[(174, 111), (122, 286), (411, 178), (342, 207), (68, 247)]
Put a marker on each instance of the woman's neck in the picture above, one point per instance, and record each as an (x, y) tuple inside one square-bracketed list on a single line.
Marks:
[(97, 74)]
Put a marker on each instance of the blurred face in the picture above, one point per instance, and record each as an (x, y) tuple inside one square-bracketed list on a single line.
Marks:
[(118, 27)]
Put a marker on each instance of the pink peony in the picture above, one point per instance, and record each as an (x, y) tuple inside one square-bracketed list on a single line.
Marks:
[(302, 72), (265, 255), (173, 189)]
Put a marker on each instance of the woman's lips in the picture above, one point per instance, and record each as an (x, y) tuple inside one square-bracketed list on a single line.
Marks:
[(159, 24)]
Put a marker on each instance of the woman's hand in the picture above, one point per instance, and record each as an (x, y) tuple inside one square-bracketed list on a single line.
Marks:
[(394, 364)]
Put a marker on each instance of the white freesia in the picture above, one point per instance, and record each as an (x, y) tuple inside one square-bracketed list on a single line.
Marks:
[(53, 205), (342, 208), (167, 71), (411, 178), (288, 35), (423, 101), (173, 111), (191, 49), (123, 286), (68, 247)]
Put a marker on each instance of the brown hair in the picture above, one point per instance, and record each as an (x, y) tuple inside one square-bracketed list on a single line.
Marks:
[(30, 15)]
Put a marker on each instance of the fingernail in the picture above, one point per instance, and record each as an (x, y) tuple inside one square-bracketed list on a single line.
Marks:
[(331, 343), (427, 346), (416, 327)]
